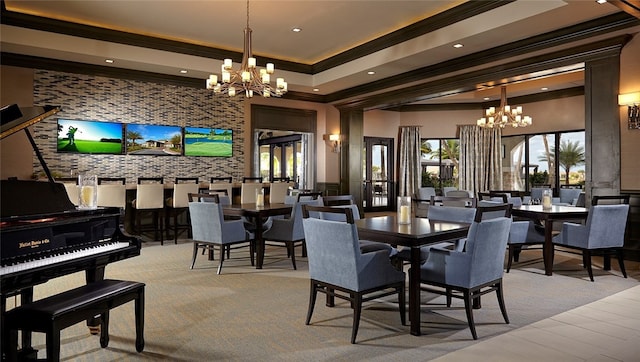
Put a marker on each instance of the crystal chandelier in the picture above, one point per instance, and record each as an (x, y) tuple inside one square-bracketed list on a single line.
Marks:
[(504, 115), (248, 79)]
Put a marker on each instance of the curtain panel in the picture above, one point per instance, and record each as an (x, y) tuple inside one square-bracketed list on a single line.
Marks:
[(409, 161), (480, 158)]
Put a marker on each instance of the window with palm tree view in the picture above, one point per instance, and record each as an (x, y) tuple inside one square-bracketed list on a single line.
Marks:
[(528, 161)]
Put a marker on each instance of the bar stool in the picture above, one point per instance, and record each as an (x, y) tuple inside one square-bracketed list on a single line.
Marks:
[(149, 199), (252, 179), (178, 204), (278, 191), (223, 187), (112, 192)]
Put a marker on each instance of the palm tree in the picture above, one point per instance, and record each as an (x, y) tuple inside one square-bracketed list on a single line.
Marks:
[(133, 136), (571, 154)]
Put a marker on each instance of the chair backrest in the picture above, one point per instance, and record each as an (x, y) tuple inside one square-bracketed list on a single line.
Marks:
[(458, 193), (485, 247), (199, 197), (610, 200), (569, 196), (492, 209), (451, 213), (252, 179), (224, 188), (278, 192), (342, 213), (185, 180), (248, 192), (447, 189), (228, 179), (606, 225), (304, 196), (337, 200), (490, 196), (281, 179), (453, 201), (112, 195), (296, 217), (425, 193), (181, 193), (206, 221), (536, 192), (149, 196), (112, 180), (143, 180)]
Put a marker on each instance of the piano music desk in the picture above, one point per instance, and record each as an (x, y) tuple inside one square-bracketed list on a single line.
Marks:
[(51, 315)]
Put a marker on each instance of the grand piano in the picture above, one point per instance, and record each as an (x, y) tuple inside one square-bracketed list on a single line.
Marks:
[(42, 234)]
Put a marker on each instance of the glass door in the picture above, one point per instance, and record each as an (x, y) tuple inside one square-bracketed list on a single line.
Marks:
[(281, 156), (379, 187)]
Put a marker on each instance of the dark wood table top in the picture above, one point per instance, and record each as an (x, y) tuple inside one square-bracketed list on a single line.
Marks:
[(420, 232), (556, 212), (267, 209)]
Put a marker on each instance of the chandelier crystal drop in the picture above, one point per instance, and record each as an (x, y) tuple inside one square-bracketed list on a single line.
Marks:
[(249, 79), (504, 115)]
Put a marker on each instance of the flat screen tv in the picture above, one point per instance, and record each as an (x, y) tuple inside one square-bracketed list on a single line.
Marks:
[(157, 140), (213, 142), (91, 137)]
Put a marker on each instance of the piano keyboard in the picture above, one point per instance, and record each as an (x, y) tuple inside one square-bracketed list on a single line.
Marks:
[(89, 251)]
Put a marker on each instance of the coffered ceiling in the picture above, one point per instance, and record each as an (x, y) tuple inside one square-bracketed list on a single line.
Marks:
[(340, 42)]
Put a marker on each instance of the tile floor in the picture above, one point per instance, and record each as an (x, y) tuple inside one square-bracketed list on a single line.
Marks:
[(605, 330)]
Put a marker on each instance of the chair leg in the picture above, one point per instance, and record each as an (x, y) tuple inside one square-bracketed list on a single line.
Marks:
[(292, 252), (586, 257), (195, 253), (620, 256), (469, 309), (402, 305), (222, 247), (357, 310), (503, 308), (251, 247), (312, 301), (175, 228), (510, 257)]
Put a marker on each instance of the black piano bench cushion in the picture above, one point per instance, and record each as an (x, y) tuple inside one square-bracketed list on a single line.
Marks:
[(52, 314)]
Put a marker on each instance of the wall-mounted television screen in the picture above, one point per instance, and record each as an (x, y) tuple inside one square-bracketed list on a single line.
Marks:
[(147, 139), (92, 137), (208, 142)]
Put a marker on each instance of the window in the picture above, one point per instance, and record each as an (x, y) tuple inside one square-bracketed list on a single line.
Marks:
[(440, 162)]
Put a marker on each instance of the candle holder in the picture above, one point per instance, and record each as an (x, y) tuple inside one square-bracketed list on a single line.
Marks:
[(404, 210), (546, 199), (88, 185), (260, 197)]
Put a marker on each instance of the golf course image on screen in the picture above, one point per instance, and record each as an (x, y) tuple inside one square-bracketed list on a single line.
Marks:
[(213, 142), (91, 137)]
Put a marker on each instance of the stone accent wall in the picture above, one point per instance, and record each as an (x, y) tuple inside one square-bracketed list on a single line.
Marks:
[(129, 101)]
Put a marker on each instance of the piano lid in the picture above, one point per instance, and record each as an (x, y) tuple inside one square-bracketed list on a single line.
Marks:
[(14, 118)]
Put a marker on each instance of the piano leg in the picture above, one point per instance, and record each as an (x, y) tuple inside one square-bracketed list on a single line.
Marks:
[(93, 275), (26, 352)]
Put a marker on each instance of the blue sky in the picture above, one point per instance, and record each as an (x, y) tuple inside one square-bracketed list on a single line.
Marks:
[(90, 130), (155, 132)]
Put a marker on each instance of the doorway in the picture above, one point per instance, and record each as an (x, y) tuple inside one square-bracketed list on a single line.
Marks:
[(281, 156), (379, 187)]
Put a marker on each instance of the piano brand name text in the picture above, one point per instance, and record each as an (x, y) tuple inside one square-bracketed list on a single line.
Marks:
[(33, 243)]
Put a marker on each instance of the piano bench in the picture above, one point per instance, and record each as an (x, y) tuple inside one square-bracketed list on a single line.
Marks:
[(52, 314)]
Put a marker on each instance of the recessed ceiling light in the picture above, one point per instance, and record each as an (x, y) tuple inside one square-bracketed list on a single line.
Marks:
[(371, 72), (108, 61), (601, 1), (183, 71), (316, 90), (458, 45), (296, 29), (486, 98), (544, 88)]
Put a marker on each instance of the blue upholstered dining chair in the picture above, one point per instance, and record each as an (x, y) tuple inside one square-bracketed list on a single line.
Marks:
[(337, 268), (366, 246), (603, 233), (443, 213), (209, 229), (289, 231), (473, 272)]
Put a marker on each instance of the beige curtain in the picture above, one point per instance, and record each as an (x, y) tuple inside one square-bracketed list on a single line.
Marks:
[(409, 163), (480, 158)]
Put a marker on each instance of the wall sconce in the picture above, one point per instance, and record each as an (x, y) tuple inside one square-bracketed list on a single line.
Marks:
[(334, 140), (631, 100)]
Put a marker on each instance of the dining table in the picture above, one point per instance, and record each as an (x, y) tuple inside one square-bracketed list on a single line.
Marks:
[(257, 213), (419, 232), (547, 216)]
